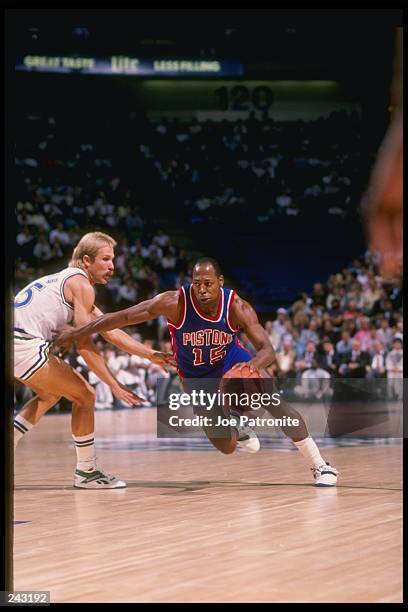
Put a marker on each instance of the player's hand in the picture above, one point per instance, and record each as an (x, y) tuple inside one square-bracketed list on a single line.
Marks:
[(246, 364), (58, 351), (124, 394), (163, 360), (63, 338)]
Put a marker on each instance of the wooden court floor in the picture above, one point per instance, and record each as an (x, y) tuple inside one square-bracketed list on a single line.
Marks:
[(194, 525)]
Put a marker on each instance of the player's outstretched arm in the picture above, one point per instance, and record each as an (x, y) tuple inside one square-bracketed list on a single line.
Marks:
[(126, 343), (165, 304), (245, 317), (83, 297)]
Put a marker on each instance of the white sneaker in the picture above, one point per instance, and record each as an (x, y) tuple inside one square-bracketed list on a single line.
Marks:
[(97, 479), (247, 438), (325, 475)]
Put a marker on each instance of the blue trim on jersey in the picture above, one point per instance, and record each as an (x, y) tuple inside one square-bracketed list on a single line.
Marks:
[(41, 361), (74, 273), (206, 347)]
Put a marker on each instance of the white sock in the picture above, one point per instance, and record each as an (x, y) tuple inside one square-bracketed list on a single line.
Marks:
[(21, 426), (85, 450), (310, 451)]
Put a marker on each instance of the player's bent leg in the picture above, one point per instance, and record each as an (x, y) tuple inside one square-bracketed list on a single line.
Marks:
[(294, 432), (223, 438), (38, 405), (324, 474), (247, 440), (237, 436), (31, 413), (60, 378)]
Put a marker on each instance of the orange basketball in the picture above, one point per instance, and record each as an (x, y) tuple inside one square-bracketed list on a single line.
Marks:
[(244, 372), (241, 381)]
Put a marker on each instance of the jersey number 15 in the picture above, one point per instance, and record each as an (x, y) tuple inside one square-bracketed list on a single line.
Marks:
[(216, 354)]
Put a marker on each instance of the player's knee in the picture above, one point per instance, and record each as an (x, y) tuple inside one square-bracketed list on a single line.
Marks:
[(86, 397), (49, 399), (90, 395)]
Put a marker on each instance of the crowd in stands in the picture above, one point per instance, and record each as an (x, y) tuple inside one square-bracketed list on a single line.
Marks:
[(259, 168), (350, 326), (269, 168), (123, 175)]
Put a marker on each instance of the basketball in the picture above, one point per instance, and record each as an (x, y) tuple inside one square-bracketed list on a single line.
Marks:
[(242, 381), (244, 372)]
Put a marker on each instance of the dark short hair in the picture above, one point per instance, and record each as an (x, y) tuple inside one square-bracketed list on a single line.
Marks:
[(209, 260)]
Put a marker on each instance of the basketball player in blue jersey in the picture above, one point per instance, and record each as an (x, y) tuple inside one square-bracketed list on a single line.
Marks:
[(204, 319)]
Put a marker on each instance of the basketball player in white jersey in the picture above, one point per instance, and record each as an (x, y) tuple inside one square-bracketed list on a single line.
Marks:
[(41, 308)]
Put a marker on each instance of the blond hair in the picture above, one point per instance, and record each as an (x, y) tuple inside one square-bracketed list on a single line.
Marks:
[(89, 245)]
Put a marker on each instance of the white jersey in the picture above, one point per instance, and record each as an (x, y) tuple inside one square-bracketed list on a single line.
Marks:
[(41, 308)]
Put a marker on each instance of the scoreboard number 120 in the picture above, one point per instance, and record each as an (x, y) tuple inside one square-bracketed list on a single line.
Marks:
[(242, 98)]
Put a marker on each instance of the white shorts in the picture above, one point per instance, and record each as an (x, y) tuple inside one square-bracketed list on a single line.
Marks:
[(30, 354)]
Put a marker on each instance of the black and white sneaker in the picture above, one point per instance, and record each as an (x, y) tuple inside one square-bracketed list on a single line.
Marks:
[(325, 475)]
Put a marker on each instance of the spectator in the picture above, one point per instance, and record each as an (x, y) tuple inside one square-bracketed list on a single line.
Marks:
[(371, 294), (286, 357), (394, 367), (328, 331), (379, 305), (128, 292), (310, 334), (329, 359), (274, 336), (59, 234), (396, 295), (388, 312), (161, 239), (399, 331), (24, 237), (42, 249), (364, 334), (353, 365), (305, 361), (319, 295), (352, 311), (57, 251), (336, 314), (283, 201), (377, 367), (169, 259), (385, 334), (279, 323), (290, 332), (314, 384)]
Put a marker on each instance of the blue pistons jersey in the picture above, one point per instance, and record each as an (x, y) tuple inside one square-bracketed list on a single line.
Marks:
[(205, 346)]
